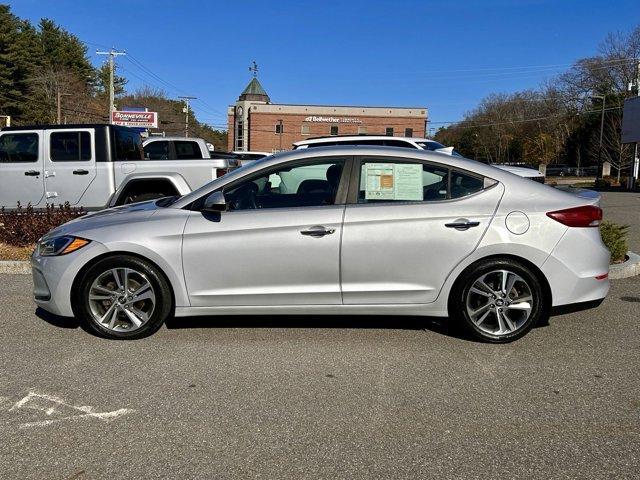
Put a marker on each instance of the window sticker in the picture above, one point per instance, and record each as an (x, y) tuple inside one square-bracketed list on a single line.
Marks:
[(393, 181)]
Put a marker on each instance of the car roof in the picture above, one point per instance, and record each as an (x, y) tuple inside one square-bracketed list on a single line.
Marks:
[(60, 127), (173, 139), (346, 138), (347, 151)]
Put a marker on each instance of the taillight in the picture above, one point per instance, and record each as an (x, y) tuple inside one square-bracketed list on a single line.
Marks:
[(585, 216), (220, 172)]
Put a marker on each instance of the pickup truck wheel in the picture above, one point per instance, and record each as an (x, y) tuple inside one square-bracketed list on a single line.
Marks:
[(141, 197), (123, 297)]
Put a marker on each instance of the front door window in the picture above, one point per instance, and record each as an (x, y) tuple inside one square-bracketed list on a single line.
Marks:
[(303, 185)]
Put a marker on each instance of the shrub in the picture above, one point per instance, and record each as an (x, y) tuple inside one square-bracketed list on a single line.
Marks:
[(23, 226), (607, 182), (614, 237)]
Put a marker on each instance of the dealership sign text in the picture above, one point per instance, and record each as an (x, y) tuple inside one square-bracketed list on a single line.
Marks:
[(313, 118), (135, 119)]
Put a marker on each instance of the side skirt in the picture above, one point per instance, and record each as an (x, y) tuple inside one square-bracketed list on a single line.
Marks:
[(398, 309)]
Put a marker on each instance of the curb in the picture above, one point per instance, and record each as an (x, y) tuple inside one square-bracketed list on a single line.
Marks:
[(626, 269), (22, 267)]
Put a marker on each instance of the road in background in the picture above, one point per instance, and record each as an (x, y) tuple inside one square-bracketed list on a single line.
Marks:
[(624, 208)]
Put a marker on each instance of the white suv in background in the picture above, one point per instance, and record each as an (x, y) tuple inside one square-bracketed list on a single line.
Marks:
[(406, 142)]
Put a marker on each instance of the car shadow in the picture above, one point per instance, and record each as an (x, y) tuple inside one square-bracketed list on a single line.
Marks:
[(387, 322), (437, 325), (57, 320)]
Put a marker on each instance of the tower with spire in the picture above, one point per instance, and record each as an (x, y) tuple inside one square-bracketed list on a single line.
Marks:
[(239, 116)]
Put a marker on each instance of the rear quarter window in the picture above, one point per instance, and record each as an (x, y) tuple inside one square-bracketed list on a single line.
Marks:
[(128, 144), (187, 150)]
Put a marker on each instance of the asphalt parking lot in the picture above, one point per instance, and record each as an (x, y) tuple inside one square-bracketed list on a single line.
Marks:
[(394, 397), (267, 397)]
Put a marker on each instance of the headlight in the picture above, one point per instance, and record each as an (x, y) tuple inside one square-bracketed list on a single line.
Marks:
[(60, 245)]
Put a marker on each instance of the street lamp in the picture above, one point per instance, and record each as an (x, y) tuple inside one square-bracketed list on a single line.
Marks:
[(604, 100)]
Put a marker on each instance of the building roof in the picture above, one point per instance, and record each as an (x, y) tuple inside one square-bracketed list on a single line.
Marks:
[(254, 91), (254, 88)]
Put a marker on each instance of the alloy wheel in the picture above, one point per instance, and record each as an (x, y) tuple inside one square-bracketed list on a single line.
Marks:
[(499, 302), (121, 299)]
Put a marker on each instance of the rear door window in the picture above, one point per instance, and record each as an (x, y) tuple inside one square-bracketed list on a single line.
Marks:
[(19, 148), (463, 184), (157, 150), (409, 181), (70, 146), (187, 150)]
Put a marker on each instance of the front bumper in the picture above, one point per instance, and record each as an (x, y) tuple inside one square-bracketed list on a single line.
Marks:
[(53, 277)]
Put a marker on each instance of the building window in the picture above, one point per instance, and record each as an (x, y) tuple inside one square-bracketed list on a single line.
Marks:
[(305, 130), (239, 135), (334, 129), (279, 128), (362, 130), (389, 131), (408, 132)]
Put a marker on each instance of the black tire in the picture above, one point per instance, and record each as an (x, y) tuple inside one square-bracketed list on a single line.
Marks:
[(163, 297), (458, 300)]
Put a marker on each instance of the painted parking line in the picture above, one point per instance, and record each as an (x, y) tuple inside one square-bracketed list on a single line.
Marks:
[(56, 410)]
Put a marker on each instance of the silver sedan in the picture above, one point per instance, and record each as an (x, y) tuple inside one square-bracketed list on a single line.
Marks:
[(335, 230)]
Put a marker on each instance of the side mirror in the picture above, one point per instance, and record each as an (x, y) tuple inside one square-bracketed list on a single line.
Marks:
[(215, 203)]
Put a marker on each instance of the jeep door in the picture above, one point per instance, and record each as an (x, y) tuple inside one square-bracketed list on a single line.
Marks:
[(21, 167), (70, 164)]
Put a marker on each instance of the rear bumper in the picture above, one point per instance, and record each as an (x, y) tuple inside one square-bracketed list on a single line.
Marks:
[(576, 266)]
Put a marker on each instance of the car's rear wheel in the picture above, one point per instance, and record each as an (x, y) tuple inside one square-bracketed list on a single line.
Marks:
[(498, 300), (123, 297)]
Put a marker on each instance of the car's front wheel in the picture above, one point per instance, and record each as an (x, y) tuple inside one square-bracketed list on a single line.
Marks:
[(498, 300), (122, 297)]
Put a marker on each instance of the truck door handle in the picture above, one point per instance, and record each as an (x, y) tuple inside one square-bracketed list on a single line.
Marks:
[(318, 231), (32, 173), (81, 172), (462, 224)]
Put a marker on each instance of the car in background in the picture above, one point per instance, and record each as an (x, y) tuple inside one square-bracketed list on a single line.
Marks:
[(405, 142), (335, 231), (557, 170)]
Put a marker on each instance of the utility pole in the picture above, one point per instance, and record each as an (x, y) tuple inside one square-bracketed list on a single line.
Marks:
[(601, 129), (59, 96), (112, 54), (186, 99), (636, 161), (599, 170)]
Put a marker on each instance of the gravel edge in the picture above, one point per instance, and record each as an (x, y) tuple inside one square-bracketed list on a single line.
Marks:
[(629, 268)]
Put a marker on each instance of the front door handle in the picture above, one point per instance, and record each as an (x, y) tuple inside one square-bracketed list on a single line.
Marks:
[(32, 173), (462, 224), (318, 231), (81, 172)]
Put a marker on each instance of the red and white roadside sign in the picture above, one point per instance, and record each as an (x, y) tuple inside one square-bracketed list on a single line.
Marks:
[(135, 119)]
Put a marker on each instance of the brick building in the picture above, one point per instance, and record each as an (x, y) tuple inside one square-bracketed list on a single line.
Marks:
[(256, 124)]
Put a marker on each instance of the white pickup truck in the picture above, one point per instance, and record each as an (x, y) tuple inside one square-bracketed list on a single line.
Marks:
[(96, 165)]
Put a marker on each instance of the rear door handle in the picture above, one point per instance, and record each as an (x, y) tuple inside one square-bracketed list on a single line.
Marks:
[(462, 224), (81, 172), (32, 173), (318, 231)]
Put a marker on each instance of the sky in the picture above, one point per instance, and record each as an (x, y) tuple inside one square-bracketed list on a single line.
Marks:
[(443, 55)]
